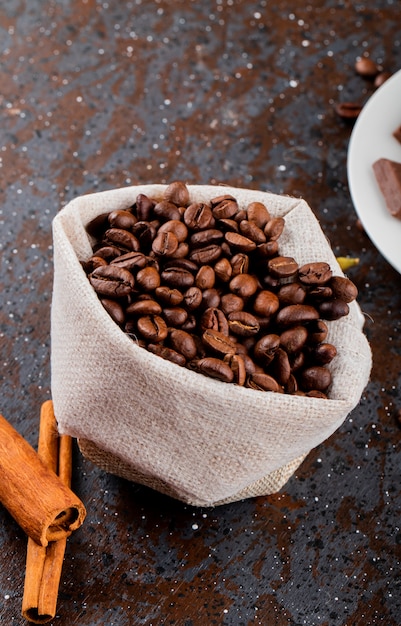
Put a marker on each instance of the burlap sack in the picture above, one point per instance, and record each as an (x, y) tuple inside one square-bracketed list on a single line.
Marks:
[(148, 420)]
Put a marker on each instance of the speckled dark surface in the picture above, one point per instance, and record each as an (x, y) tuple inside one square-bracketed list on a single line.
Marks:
[(97, 95)]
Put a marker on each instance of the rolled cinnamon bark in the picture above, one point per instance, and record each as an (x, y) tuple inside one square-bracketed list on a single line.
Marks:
[(44, 507)]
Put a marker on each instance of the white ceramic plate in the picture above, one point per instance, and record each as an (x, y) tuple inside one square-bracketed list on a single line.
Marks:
[(371, 139)]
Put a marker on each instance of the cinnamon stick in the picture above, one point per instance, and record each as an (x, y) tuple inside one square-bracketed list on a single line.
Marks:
[(44, 507), (44, 563)]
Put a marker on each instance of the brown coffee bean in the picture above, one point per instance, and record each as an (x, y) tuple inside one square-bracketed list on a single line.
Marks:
[(144, 207), (168, 296), (225, 209), (192, 298), (381, 78), (206, 237), (237, 365), (343, 288), (122, 219), (229, 303), (114, 309), (251, 231), (198, 216), (315, 377), (111, 281), (165, 244), (92, 263), (153, 328), (223, 270), (258, 213), (280, 367), (239, 243), (177, 277), (240, 264), (243, 324), (263, 382), (282, 266), (122, 239), (323, 353), (316, 394), (266, 347), (148, 279), (184, 264), (177, 192), (319, 293), (366, 67), (317, 331), (96, 227), (293, 339), (244, 285), (205, 255), (295, 314), (144, 307), (333, 309), (314, 273), (292, 293), (205, 278), (167, 353), (175, 316), (167, 210), (145, 232), (228, 225), (291, 385), (348, 110), (266, 303), (267, 250), (190, 324), (210, 298), (217, 342), (177, 227), (274, 227), (214, 319), (215, 368), (131, 261), (182, 342)]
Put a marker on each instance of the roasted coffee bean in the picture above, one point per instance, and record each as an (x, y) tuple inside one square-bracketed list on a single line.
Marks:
[(214, 319), (145, 232), (92, 263), (251, 231), (165, 244), (217, 342), (111, 281), (243, 324), (229, 303), (182, 342), (314, 273), (343, 288), (244, 285), (153, 328), (315, 377), (266, 347), (263, 382), (282, 266), (144, 207), (291, 385), (184, 264), (167, 353), (280, 367), (317, 331), (148, 279), (168, 296), (122, 239), (175, 226), (319, 293), (239, 243), (225, 209), (144, 307), (175, 316), (131, 261), (192, 298), (205, 255), (292, 293), (210, 298), (177, 193), (274, 227), (323, 353), (333, 309), (223, 270), (295, 314), (366, 67), (206, 237), (198, 216), (96, 227), (240, 264), (266, 303), (215, 368), (316, 394), (205, 278), (237, 365), (177, 277), (228, 225), (190, 324), (294, 339), (122, 219), (348, 110), (267, 250), (167, 210), (108, 253), (258, 214), (115, 310)]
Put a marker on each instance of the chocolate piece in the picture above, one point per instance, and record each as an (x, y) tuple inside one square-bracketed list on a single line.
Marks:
[(388, 176)]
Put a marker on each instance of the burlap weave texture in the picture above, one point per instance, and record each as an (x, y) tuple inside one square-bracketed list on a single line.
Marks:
[(143, 418)]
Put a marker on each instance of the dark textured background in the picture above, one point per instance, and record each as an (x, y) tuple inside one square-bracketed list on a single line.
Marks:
[(96, 95)]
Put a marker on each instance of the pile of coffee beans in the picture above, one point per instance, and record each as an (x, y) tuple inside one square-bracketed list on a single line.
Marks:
[(204, 286)]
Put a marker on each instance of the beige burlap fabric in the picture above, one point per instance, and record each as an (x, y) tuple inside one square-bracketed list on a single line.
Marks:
[(148, 420)]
